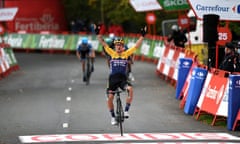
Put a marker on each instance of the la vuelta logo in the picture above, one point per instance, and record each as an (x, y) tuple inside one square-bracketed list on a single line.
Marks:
[(47, 18)]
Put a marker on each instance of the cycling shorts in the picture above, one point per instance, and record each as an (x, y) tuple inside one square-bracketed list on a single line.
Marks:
[(84, 54), (118, 80)]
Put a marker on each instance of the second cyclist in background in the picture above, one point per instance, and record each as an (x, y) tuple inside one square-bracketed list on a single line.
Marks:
[(84, 50)]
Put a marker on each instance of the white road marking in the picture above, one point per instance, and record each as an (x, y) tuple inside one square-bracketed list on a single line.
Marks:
[(149, 137), (67, 111), (70, 89), (68, 98), (65, 125)]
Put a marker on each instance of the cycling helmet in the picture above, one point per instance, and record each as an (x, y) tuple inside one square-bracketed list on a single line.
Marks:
[(174, 27), (111, 35), (118, 40), (108, 41), (84, 40)]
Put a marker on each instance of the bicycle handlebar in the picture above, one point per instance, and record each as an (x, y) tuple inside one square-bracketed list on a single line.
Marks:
[(116, 91)]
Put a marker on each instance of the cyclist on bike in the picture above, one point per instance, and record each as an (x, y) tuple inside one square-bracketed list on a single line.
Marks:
[(83, 51), (118, 70)]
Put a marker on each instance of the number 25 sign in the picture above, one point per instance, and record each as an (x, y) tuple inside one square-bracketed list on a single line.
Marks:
[(224, 35)]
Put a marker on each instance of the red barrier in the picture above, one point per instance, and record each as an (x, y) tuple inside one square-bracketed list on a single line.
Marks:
[(211, 98)]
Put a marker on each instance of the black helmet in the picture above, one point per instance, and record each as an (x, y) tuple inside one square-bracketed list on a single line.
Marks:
[(118, 40)]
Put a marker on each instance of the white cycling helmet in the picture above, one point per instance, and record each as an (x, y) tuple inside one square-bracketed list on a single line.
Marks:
[(174, 27)]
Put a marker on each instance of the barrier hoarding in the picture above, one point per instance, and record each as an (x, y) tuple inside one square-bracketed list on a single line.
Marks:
[(234, 100), (195, 88), (184, 67)]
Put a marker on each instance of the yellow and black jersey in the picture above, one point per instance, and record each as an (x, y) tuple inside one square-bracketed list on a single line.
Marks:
[(119, 62)]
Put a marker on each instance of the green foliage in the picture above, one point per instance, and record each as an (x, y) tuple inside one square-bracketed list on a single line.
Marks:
[(111, 11), (119, 12)]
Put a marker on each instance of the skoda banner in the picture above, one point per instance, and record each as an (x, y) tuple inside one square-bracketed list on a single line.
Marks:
[(174, 5)]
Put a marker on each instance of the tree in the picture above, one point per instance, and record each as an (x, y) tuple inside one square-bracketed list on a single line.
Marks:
[(112, 11)]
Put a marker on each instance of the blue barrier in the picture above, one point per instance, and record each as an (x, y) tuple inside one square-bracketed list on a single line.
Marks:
[(233, 100), (195, 88), (183, 70)]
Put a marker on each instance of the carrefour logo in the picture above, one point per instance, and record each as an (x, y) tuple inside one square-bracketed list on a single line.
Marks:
[(238, 9), (186, 64), (200, 74), (237, 85)]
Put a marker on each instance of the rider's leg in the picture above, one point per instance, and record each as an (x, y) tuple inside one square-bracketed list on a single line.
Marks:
[(83, 66), (111, 108), (83, 70), (129, 98), (110, 104), (92, 60)]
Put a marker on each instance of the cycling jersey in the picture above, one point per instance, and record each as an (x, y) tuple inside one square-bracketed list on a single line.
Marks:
[(119, 62), (84, 49)]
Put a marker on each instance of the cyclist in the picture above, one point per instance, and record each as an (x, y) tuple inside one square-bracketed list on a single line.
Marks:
[(84, 50), (118, 70)]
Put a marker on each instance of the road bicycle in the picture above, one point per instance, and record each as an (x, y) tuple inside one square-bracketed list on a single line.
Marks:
[(119, 109), (88, 70)]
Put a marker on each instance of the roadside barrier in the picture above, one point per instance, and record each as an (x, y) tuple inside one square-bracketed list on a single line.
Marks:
[(234, 101), (196, 83), (8, 62), (185, 65), (214, 95), (211, 97)]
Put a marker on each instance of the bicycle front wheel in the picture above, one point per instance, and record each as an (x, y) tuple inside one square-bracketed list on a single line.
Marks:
[(120, 115)]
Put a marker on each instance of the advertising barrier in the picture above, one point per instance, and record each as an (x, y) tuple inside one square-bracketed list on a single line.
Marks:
[(234, 100), (195, 88), (184, 68), (214, 96), (8, 62)]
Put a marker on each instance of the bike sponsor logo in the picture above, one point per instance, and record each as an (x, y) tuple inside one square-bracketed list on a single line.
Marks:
[(126, 137)]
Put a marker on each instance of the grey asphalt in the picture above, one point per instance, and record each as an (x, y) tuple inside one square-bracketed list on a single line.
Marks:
[(33, 100)]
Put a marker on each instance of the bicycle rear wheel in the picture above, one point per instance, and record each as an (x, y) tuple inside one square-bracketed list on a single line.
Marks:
[(120, 115), (88, 73)]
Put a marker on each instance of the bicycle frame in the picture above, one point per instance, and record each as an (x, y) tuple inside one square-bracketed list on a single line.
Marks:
[(87, 70), (119, 109)]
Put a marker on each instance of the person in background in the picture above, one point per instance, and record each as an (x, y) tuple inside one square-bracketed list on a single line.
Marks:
[(83, 51), (229, 62), (177, 37)]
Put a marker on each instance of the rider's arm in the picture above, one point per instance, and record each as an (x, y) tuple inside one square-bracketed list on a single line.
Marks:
[(78, 53), (105, 45), (100, 39), (131, 50), (139, 42)]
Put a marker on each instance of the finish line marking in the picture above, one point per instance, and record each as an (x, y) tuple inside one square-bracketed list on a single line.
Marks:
[(128, 137)]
